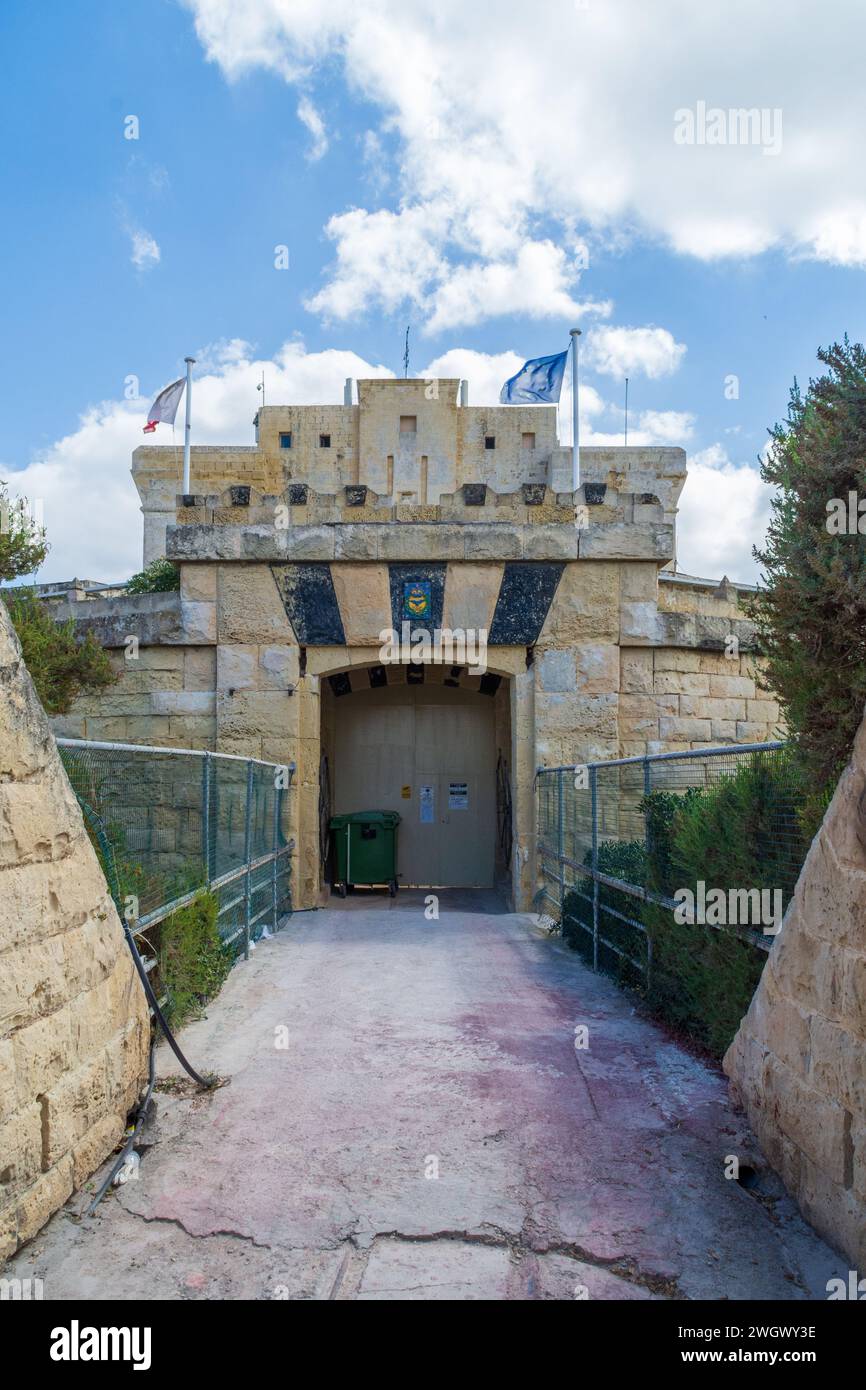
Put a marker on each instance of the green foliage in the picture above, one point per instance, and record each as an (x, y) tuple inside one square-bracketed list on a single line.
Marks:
[(159, 577), (62, 667), (811, 607), (23, 547), (744, 832), (193, 961), (626, 860)]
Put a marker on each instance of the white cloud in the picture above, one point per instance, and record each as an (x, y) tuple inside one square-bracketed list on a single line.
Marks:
[(144, 250), (537, 282), (88, 500), (310, 117), (567, 113), (382, 257), (623, 352), (485, 372), (724, 510)]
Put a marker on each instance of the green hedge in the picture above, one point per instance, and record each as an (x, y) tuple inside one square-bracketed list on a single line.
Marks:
[(745, 832), (193, 960)]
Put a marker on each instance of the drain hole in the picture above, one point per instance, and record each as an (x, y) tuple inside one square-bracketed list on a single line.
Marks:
[(748, 1177)]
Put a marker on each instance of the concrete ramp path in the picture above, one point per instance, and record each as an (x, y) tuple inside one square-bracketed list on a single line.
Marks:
[(407, 1117)]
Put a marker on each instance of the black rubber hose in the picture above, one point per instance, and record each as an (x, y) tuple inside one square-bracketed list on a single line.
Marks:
[(139, 1120), (151, 1079), (160, 1016)]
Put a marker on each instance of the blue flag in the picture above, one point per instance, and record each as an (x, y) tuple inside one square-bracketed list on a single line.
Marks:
[(537, 381)]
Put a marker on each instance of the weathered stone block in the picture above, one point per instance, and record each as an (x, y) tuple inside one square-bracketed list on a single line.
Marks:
[(683, 729), (681, 683), (198, 583), (249, 606), (278, 667), (237, 667), (556, 670), (198, 621), (636, 670)]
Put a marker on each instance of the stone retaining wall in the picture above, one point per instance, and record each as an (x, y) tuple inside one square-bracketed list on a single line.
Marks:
[(74, 1026), (798, 1062)]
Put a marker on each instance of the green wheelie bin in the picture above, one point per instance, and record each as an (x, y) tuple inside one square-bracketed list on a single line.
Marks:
[(365, 849)]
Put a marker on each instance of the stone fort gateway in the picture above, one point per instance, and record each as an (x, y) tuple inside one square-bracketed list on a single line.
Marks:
[(404, 510)]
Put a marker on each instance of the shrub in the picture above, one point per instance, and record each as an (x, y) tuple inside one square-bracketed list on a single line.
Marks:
[(159, 577), (193, 961), (23, 546), (626, 860), (62, 667), (811, 606), (743, 832)]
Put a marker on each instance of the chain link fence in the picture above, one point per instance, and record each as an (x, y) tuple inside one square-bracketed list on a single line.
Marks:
[(623, 845), (169, 822)]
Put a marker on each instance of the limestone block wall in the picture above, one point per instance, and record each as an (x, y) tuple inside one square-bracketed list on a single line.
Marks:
[(164, 697), (798, 1062), (673, 700), (74, 1027)]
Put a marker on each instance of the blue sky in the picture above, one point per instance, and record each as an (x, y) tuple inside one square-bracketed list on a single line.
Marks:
[(484, 168)]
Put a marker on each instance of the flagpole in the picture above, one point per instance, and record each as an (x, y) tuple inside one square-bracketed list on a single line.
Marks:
[(575, 414), (188, 427)]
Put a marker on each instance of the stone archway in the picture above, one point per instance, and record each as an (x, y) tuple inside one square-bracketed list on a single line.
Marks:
[(330, 679)]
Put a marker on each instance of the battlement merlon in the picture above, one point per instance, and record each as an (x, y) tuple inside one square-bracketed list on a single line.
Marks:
[(414, 448)]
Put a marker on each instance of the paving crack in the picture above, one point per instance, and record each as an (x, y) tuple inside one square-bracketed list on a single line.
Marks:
[(196, 1235), (520, 1246)]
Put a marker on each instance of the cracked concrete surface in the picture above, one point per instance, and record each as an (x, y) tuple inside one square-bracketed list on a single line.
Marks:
[(415, 1048)]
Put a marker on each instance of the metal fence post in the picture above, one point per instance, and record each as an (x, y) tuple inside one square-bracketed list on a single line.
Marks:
[(593, 791), (205, 815), (277, 798), (560, 836), (247, 857)]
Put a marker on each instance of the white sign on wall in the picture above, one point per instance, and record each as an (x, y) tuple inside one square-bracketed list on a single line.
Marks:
[(426, 804), (458, 796)]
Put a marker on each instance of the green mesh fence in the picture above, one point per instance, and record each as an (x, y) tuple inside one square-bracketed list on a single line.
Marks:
[(618, 839), (168, 822)]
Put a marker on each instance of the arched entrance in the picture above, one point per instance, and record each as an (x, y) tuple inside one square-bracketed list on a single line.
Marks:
[(424, 742)]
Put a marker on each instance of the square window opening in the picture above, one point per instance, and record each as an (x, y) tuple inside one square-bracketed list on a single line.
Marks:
[(529, 440), (408, 424), (286, 441), (490, 441), (324, 441)]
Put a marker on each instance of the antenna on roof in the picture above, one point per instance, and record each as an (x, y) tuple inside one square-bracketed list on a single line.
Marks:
[(626, 412), (261, 387), (406, 354)]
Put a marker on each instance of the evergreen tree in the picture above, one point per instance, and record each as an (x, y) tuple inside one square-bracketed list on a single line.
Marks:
[(811, 605)]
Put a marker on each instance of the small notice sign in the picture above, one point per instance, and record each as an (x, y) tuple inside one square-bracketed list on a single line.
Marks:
[(425, 804), (406, 793), (458, 796)]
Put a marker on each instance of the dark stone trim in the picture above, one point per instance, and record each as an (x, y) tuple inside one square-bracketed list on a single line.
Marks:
[(474, 494), (311, 604), (525, 596), (340, 683)]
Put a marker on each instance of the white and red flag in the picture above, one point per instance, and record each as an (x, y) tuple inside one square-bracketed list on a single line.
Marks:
[(164, 408)]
